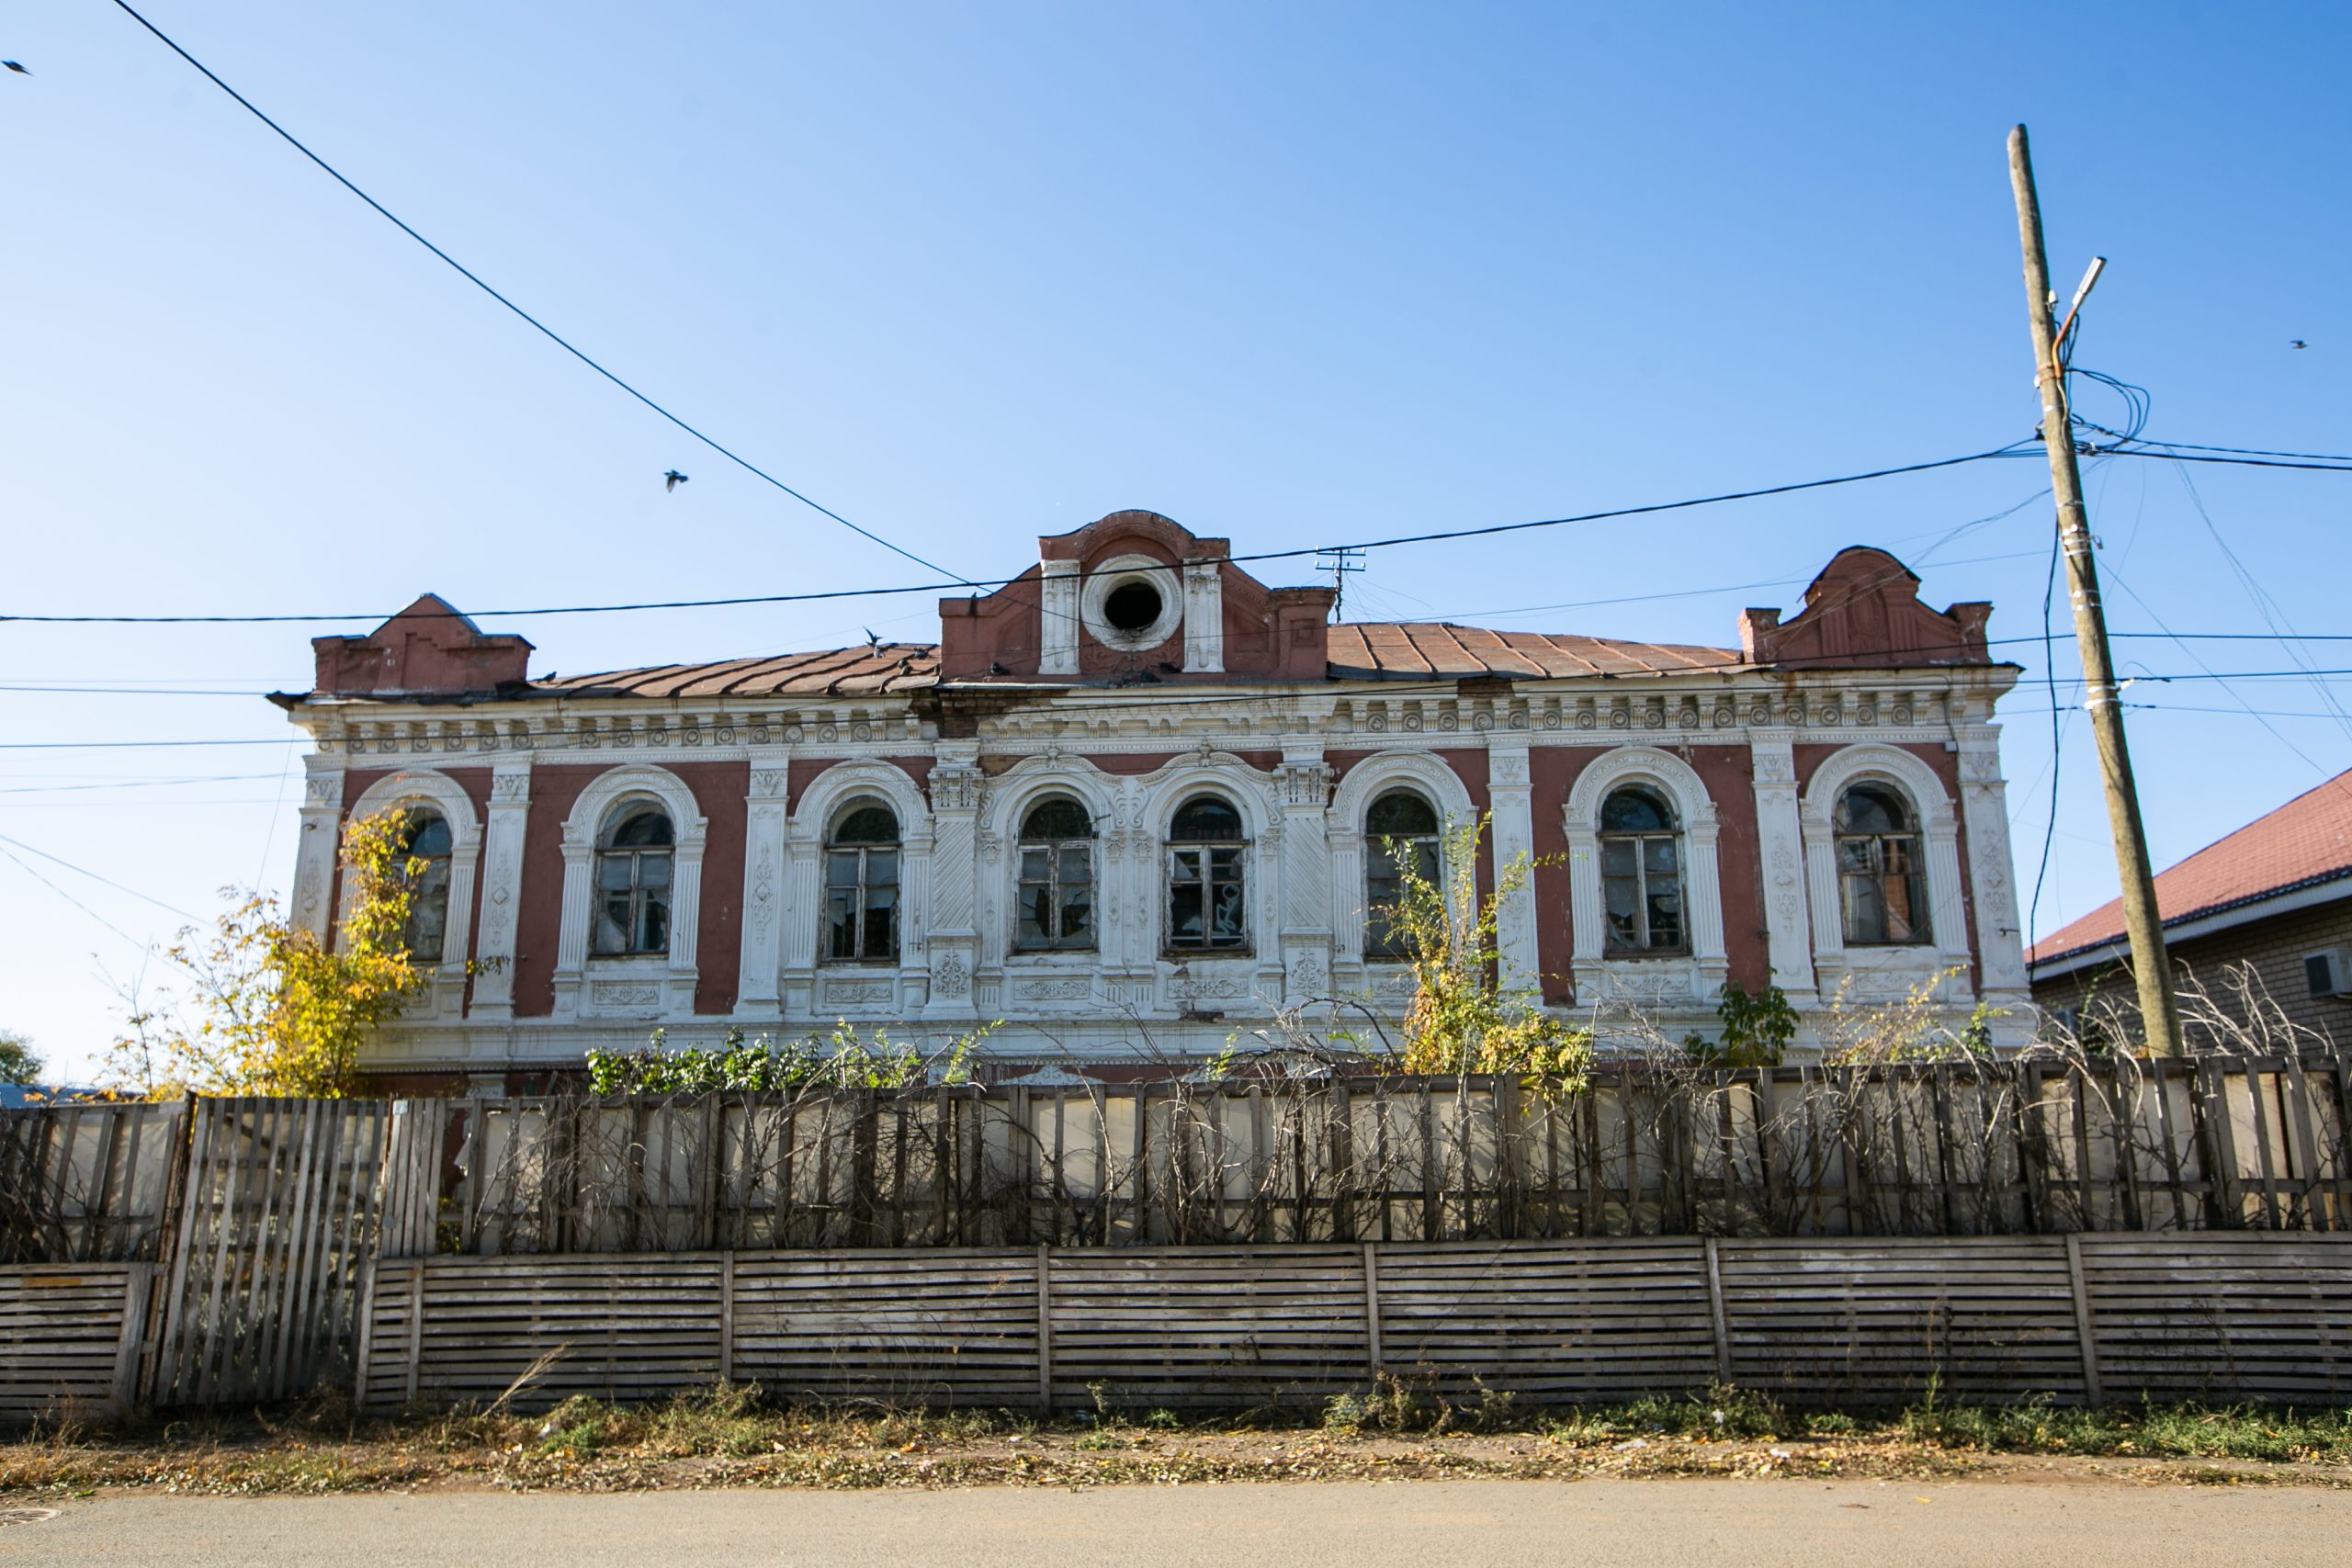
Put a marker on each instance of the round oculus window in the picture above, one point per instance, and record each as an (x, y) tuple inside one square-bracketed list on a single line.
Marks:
[(1131, 603), (1132, 607)]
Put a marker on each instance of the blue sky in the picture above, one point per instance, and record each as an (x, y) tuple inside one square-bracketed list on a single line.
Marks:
[(966, 273)]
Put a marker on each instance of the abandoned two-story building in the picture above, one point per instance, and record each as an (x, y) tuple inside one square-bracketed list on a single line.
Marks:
[(1135, 800)]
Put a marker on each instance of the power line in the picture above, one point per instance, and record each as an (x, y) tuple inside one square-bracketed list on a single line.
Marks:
[(53, 887), (2252, 451), (1635, 511), (548, 332), (81, 871), (2198, 458), (136, 784), (732, 601), (124, 745)]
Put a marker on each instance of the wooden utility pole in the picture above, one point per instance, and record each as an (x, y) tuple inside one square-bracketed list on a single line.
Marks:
[(2159, 1009)]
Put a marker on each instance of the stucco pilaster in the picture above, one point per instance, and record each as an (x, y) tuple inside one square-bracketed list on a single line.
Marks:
[(315, 850), (1779, 840), (1510, 799), (501, 887), (760, 984)]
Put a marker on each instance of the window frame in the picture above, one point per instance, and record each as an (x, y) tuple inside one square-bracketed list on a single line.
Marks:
[(862, 885), (1912, 835), (1380, 865), (1611, 946), (1055, 884), (1204, 852), (425, 884), (617, 821)]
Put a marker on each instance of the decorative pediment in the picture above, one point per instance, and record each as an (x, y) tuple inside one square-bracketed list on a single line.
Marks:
[(1134, 599), (428, 649), (1863, 612)]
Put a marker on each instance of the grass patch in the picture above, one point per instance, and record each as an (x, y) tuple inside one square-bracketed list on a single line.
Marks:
[(1393, 1430), (2272, 1434)]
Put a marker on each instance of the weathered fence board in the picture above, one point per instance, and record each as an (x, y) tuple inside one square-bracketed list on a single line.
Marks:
[(87, 1183), (1874, 1322), (1940, 1149), (931, 1328), (1552, 1323), (72, 1336), (275, 1240), (2232, 1317), (1183, 1326), (1848, 1323)]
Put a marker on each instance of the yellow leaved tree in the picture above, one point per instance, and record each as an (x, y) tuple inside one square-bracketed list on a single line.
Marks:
[(269, 1009), (1463, 1019)]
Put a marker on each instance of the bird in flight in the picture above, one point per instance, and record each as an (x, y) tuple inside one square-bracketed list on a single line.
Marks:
[(17, 68), (2298, 344), (873, 643), (672, 480)]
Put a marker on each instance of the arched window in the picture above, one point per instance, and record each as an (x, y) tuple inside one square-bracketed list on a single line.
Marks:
[(862, 886), (1641, 874), (1057, 896), (633, 883), (1399, 831), (426, 841), (1881, 882), (1208, 906)]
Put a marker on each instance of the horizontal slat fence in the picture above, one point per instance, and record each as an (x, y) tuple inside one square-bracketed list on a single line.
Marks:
[(2023, 1147), (70, 1339), (1847, 1323)]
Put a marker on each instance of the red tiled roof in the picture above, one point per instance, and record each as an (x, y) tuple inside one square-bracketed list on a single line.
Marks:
[(2307, 840), (1375, 649)]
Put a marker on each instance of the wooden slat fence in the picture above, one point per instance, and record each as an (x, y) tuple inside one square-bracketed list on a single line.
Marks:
[(2027, 1147), (70, 1339), (277, 1239), (88, 1183), (1847, 1323)]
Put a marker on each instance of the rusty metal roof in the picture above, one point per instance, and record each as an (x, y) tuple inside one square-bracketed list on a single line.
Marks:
[(1381, 650), (837, 672), (1361, 651)]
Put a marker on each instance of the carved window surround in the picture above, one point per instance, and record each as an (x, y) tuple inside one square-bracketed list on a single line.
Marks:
[(616, 986), (818, 989), (1668, 978), (436, 791), (1879, 974), (1366, 782)]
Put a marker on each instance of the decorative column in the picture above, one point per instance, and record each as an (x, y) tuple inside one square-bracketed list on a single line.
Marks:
[(315, 852), (1203, 617), (1304, 785), (803, 911), (1985, 817), (917, 847), (757, 990), (571, 941), (685, 916), (1057, 618), (958, 789), (1779, 840), (1510, 799), (1949, 919), (501, 888), (2005, 982)]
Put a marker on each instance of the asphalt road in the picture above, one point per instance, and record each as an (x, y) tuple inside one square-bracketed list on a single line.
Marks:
[(1756, 1523)]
